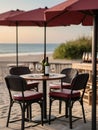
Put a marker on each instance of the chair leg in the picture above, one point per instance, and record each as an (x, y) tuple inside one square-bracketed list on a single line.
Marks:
[(70, 115), (66, 109), (29, 112), (30, 116), (23, 117), (9, 115), (83, 112), (60, 105), (42, 113), (50, 104)]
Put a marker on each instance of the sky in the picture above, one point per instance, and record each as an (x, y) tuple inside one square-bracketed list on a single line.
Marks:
[(36, 34)]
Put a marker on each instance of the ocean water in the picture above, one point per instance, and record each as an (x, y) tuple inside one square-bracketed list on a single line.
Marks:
[(27, 48)]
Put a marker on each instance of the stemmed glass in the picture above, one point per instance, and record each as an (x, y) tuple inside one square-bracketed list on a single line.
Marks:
[(89, 57), (86, 57), (52, 68), (31, 67), (39, 67), (83, 56)]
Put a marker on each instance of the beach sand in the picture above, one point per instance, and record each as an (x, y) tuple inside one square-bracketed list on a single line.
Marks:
[(34, 57), (58, 124), (61, 123)]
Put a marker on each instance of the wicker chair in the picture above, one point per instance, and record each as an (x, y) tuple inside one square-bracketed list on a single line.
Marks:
[(65, 82), (70, 96), (23, 97), (20, 70)]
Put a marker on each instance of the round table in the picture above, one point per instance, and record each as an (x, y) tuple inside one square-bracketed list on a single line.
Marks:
[(41, 77)]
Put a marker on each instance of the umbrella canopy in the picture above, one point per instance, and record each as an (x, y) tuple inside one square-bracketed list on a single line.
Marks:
[(63, 12), (5, 22), (32, 18), (4, 17), (85, 13), (35, 17)]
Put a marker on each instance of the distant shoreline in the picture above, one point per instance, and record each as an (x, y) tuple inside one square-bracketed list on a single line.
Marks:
[(30, 57), (24, 57), (26, 48), (22, 54)]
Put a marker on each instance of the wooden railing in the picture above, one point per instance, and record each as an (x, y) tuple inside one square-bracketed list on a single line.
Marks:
[(54, 67)]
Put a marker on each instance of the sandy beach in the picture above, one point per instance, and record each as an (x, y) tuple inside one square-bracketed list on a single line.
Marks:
[(33, 57), (57, 124), (23, 57), (60, 123)]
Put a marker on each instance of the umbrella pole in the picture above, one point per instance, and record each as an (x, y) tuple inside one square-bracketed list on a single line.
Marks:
[(17, 44), (44, 41), (94, 70)]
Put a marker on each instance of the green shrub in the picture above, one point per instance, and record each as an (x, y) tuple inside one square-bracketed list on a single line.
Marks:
[(60, 52), (73, 49)]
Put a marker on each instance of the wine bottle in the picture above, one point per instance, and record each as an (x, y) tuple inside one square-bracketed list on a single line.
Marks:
[(46, 65)]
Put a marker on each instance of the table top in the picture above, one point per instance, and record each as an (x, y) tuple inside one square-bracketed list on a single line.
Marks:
[(40, 76)]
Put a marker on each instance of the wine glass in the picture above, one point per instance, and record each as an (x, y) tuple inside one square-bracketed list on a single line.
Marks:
[(89, 57), (83, 56), (31, 67), (39, 67), (86, 57), (52, 68)]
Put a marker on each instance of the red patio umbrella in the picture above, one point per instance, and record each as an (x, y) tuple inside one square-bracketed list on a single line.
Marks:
[(61, 13), (85, 13), (32, 18), (5, 15), (35, 17), (5, 22)]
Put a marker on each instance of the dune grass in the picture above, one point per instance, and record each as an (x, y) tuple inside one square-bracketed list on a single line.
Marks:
[(73, 49)]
